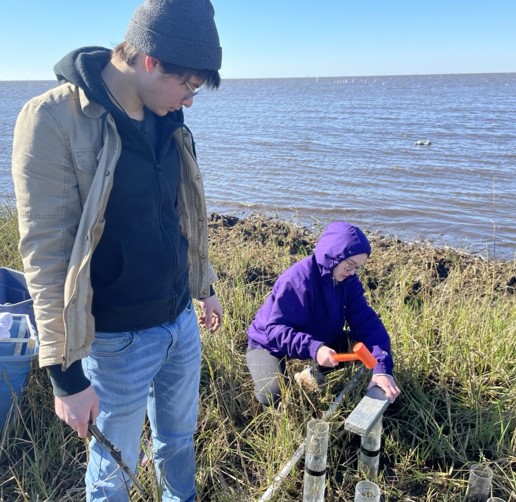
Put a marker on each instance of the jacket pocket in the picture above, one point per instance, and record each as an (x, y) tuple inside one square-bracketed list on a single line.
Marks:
[(85, 160), (85, 165)]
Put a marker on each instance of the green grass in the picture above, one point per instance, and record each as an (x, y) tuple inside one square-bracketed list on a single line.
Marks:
[(452, 319)]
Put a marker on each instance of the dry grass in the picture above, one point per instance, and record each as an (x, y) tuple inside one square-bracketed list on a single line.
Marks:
[(452, 318)]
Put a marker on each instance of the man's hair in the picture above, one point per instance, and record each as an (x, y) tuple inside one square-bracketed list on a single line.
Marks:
[(128, 54)]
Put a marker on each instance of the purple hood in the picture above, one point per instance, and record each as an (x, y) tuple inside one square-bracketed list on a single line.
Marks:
[(339, 241)]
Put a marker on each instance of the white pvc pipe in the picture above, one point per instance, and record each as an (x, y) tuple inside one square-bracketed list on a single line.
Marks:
[(316, 452), (370, 444)]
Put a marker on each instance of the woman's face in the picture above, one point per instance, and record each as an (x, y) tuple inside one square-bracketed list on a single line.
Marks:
[(349, 266)]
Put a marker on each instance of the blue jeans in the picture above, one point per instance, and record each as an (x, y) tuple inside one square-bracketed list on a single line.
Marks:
[(157, 371)]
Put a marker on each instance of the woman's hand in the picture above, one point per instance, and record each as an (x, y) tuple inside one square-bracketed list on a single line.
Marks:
[(387, 384), (324, 357)]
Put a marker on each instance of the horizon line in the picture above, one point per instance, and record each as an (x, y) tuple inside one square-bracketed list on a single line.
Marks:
[(314, 76)]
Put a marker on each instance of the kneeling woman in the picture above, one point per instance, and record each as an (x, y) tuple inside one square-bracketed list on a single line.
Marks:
[(310, 305)]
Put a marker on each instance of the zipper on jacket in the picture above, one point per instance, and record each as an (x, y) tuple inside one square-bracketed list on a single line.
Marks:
[(173, 249), (157, 159)]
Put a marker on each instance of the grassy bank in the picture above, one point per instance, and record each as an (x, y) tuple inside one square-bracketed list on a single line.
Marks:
[(452, 318)]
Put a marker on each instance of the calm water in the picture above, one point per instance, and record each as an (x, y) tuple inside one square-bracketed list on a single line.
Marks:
[(315, 150)]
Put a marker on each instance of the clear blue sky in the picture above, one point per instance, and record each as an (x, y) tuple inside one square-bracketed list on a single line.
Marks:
[(284, 38)]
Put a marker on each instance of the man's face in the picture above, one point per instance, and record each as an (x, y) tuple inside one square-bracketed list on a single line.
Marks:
[(163, 92)]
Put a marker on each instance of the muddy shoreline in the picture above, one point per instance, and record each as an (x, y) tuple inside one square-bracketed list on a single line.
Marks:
[(432, 264)]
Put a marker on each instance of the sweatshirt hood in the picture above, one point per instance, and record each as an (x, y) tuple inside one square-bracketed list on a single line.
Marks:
[(339, 241), (82, 67)]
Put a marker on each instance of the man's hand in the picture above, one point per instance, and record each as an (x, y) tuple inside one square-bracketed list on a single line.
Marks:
[(78, 410), (212, 313), (387, 384)]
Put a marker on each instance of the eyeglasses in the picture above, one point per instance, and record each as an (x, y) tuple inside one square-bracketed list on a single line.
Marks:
[(349, 266), (193, 92)]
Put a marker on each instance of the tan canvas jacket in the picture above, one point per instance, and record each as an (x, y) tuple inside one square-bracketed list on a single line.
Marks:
[(65, 152)]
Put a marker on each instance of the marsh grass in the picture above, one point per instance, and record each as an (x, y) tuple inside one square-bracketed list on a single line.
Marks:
[(452, 318)]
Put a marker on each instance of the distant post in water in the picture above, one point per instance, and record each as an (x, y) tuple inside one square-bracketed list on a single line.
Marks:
[(316, 454)]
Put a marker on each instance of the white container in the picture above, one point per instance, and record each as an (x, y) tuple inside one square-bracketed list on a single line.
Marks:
[(367, 491), (479, 484), (316, 452)]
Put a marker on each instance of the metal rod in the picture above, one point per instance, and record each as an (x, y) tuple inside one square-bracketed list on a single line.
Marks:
[(116, 454), (276, 482)]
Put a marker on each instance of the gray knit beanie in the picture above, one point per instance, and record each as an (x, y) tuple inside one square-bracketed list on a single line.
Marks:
[(180, 32)]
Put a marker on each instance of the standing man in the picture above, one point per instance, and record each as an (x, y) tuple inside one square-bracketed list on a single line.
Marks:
[(114, 240)]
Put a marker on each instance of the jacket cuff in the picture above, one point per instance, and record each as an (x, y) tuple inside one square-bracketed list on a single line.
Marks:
[(384, 361), (314, 347), (71, 381), (212, 293)]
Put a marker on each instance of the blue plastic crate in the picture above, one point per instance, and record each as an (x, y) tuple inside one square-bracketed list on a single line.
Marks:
[(14, 295), (16, 355)]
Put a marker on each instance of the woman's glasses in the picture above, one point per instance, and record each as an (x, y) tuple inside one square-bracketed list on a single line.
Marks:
[(349, 266)]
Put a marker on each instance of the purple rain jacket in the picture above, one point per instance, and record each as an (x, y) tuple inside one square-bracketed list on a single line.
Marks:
[(308, 308)]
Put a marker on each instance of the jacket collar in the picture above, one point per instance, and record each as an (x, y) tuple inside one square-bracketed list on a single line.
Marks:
[(90, 108)]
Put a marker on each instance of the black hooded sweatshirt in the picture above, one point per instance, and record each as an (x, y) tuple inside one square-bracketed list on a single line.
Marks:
[(139, 270)]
